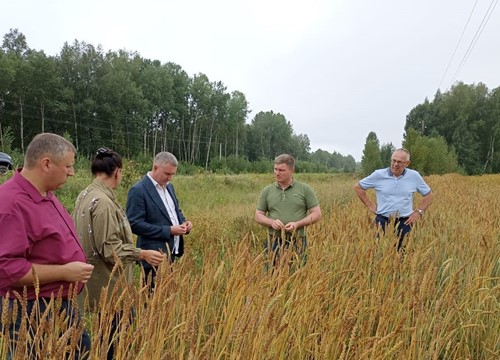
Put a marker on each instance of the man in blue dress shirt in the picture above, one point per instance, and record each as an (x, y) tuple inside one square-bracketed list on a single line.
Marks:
[(394, 188)]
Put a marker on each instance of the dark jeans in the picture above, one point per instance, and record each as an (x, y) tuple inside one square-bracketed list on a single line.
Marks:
[(115, 327), (82, 349), (150, 273), (274, 246), (401, 228)]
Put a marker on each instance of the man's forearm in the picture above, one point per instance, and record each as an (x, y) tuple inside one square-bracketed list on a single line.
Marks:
[(426, 201), (363, 196), (70, 272), (44, 273), (313, 217), (262, 219)]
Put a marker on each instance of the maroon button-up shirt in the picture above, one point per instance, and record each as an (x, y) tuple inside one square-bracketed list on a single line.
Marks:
[(34, 230)]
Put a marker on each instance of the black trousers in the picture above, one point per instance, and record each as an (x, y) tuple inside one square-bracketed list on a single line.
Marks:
[(401, 228), (276, 245), (81, 352), (150, 271)]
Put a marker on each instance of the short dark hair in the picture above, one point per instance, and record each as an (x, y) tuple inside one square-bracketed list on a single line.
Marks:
[(285, 159), (47, 144), (106, 161)]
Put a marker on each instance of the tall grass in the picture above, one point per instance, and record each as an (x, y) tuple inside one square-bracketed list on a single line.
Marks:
[(355, 298)]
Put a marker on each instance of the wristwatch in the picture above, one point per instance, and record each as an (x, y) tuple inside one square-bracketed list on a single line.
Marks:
[(421, 212)]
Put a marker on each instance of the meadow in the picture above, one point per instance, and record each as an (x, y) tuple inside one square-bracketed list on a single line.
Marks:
[(355, 298)]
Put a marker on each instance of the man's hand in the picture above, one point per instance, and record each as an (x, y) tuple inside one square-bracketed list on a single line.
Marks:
[(277, 224), (413, 218), (188, 226), (179, 229), (291, 226), (77, 271)]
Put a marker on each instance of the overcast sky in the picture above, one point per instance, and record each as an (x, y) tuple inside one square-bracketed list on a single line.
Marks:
[(335, 69)]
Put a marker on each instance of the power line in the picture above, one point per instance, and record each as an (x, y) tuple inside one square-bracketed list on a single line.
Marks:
[(458, 44), (474, 40)]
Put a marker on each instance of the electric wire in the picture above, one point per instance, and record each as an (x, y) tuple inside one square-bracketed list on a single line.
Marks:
[(458, 44), (474, 40)]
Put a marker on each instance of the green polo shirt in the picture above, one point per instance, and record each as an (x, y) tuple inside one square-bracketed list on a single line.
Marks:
[(290, 204)]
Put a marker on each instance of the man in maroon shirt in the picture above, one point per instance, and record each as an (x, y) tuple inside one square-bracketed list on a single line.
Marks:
[(38, 242)]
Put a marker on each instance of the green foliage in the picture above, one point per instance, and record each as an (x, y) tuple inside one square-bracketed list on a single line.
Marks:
[(269, 135), (311, 167), (430, 155), (136, 106), (67, 136), (371, 159), (15, 42), (82, 163), (262, 166), (6, 139), (467, 119), (142, 163), (333, 162), (189, 169), (386, 151), (230, 165)]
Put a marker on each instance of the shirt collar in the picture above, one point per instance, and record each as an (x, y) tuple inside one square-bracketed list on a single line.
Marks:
[(155, 183), (390, 172), (289, 186), (32, 192)]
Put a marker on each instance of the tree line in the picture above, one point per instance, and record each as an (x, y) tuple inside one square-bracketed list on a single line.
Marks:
[(138, 106), (466, 119), (459, 131)]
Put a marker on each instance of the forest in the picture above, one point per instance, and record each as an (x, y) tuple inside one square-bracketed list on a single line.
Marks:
[(467, 118), (140, 106)]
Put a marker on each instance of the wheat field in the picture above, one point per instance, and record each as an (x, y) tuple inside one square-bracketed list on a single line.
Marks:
[(355, 298)]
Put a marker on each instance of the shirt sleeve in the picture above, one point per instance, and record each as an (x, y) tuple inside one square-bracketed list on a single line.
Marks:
[(369, 182), (262, 203), (422, 187), (14, 246), (311, 199)]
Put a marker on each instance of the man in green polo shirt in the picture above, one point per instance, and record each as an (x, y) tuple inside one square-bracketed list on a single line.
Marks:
[(286, 207)]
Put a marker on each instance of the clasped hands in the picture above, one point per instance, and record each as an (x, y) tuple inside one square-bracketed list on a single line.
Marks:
[(277, 224), (182, 229)]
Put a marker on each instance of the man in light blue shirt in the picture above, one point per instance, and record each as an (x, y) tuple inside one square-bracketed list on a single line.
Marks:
[(394, 189)]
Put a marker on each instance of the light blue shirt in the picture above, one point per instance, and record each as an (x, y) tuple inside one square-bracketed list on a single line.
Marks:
[(395, 194)]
